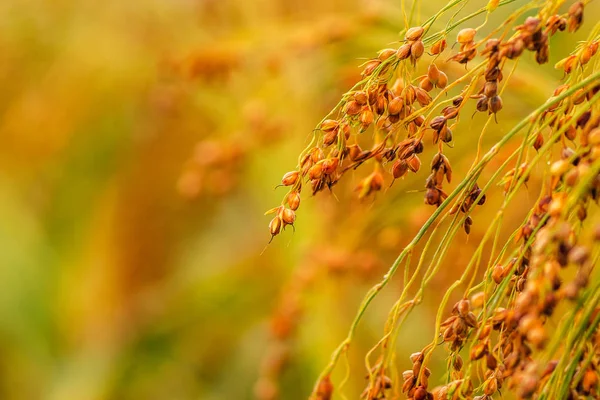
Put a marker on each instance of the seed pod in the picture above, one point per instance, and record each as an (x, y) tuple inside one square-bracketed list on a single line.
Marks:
[(417, 49), (370, 67), (422, 97), (466, 35), (539, 141), (325, 389), (490, 89), (409, 95), (380, 105), (442, 80), (395, 105), (366, 118), (438, 47), (558, 168), (385, 54), (478, 351), (450, 112), (414, 163), (457, 363), (414, 33), (316, 171), (470, 318), (288, 216), (490, 386), (293, 200), (498, 274), (354, 152), (586, 55), (345, 129), (289, 178), (360, 97), (542, 55), (275, 226), (432, 197), (438, 123), (399, 169), (433, 73), (570, 133), (445, 135), (575, 16), (329, 125), (426, 84), (457, 101), (403, 51), (482, 104), (492, 74), (463, 307), (329, 138), (420, 394), (352, 108), (330, 165), (495, 104)]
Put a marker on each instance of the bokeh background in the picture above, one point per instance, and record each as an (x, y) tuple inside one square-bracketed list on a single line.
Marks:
[(140, 144)]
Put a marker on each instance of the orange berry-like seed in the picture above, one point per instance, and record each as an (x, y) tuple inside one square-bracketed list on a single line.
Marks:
[(370, 67), (316, 171), (466, 35), (426, 84), (417, 49), (433, 73), (442, 80), (293, 200), (330, 165), (288, 216), (399, 169), (329, 138), (360, 97), (414, 33), (366, 118), (495, 104), (386, 53), (275, 226), (329, 125), (414, 163), (438, 47), (289, 178), (404, 51), (422, 97), (353, 107), (395, 105)]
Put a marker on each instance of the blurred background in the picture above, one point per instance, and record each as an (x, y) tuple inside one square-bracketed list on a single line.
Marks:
[(140, 146)]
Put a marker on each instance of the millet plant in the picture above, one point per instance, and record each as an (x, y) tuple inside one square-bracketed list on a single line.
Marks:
[(497, 336)]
